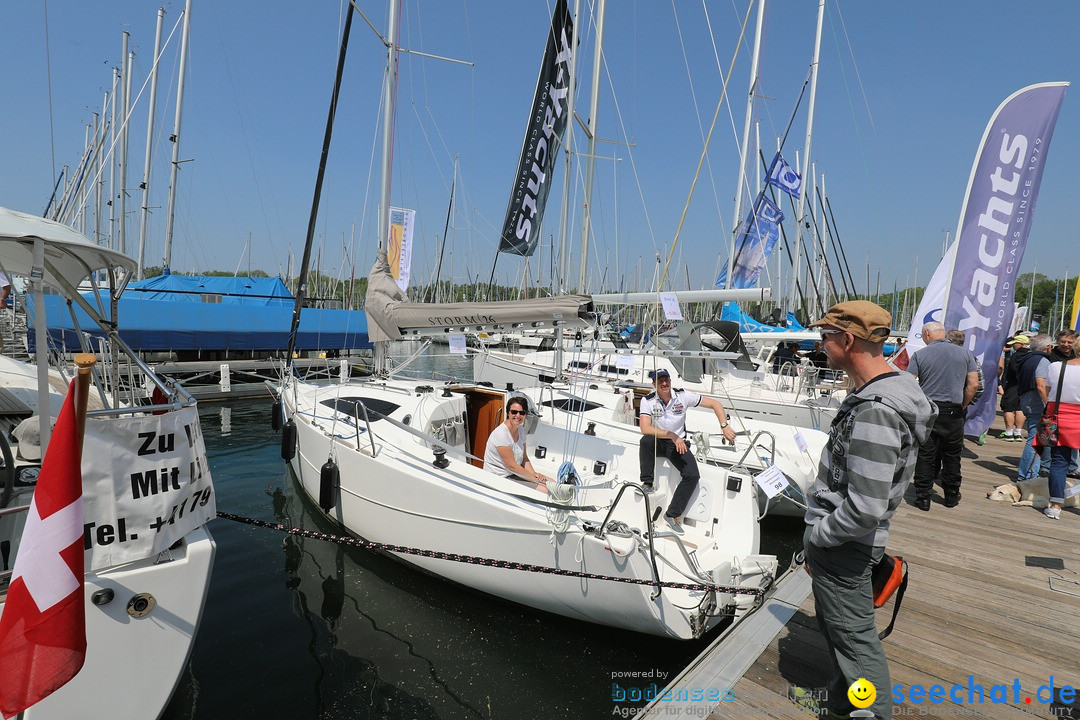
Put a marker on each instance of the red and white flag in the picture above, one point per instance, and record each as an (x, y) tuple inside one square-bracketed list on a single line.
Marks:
[(43, 628)]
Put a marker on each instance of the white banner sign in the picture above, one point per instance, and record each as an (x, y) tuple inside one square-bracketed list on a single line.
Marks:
[(670, 301), (146, 484), (772, 481), (457, 345)]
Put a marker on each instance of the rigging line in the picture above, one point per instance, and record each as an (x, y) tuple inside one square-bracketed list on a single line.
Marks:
[(301, 286), (832, 241), (832, 230), (108, 157), (694, 102), (630, 154), (48, 85), (836, 229), (247, 133), (704, 152), (830, 284)]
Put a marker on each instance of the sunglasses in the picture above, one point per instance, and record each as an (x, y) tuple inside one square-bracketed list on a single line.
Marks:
[(827, 333), (517, 412)]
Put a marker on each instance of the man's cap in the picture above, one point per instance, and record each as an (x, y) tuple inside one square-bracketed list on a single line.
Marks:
[(1022, 339), (861, 318), (28, 435), (657, 374)]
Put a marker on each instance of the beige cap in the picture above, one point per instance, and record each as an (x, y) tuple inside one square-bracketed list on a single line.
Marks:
[(861, 318)]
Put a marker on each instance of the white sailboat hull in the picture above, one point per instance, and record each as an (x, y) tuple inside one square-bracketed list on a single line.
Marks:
[(391, 493)]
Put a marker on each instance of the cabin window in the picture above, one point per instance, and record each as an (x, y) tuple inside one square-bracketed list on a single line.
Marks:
[(571, 404), (354, 407), (211, 298)]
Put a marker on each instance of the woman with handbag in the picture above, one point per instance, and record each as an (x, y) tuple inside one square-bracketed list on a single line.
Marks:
[(1060, 428)]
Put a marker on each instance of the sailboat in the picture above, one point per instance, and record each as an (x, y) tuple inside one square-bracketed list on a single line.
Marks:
[(144, 588), (399, 463)]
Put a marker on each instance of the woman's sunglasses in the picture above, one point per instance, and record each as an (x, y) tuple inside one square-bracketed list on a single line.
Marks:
[(517, 412)]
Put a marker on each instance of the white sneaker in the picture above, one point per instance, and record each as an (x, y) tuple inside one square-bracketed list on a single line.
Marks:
[(1052, 513)]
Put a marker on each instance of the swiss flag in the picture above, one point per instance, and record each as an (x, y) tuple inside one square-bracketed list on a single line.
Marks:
[(43, 628)]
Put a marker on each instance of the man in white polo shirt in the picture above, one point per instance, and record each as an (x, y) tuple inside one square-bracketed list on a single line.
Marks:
[(662, 419)]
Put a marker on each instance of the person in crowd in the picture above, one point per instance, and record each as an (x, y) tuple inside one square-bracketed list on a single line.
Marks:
[(1064, 393), (1015, 347), (662, 420), (949, 376), (1031, 372), (1066, 350), (1066, 346), (863, 473), (817, 356), (784, 355), (505, 453), (5, 291)]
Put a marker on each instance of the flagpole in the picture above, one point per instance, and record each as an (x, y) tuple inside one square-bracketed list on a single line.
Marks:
[(85, 363)]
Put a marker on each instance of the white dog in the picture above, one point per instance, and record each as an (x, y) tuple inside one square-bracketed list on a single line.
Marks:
[(1033, 493)]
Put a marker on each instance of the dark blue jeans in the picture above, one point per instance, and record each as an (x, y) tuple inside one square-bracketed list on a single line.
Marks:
[(649, 446), (1060, 458)]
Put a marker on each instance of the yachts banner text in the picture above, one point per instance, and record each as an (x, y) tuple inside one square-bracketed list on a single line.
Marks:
[(543, 137), (993, 230)]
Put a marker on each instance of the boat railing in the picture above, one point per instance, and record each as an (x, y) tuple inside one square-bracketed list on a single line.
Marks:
[(648, 521), (367, 422), (769, 459)]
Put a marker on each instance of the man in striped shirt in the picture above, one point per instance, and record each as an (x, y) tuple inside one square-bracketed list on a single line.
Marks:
[(862, 475)]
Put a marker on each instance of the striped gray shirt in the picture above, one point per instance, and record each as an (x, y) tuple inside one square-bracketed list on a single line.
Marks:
[(869, 460)]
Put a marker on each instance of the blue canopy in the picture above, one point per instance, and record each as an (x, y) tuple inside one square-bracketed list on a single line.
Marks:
[(176, 312)]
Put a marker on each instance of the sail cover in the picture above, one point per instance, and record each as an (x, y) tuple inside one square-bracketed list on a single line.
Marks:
[(391, 317), (993, 230), (543, 136)]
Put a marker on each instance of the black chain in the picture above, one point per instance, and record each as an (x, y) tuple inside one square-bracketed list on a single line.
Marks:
[(487, 562)]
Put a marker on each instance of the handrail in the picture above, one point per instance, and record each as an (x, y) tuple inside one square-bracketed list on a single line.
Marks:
[(367, 421), (648, 523)]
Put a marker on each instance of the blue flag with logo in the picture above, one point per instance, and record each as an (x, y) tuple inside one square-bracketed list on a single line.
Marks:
[(784, 176), (757, 238)]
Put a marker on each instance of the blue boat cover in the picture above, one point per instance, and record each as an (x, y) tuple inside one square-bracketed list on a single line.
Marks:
[(253, 315)]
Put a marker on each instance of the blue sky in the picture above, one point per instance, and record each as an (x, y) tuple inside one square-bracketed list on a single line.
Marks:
[(904, 94)]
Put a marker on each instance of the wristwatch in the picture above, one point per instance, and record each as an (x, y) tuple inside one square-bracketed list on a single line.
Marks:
[(723, 425)]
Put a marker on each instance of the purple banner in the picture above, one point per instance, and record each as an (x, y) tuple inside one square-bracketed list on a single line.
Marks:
[(993, 230)]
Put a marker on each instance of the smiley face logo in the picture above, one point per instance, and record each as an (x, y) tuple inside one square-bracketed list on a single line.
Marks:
[(862, 693)]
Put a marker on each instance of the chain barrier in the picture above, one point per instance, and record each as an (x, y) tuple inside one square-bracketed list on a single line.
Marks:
[(487, 562)]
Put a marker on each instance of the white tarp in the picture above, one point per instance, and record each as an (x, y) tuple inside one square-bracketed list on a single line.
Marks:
[(146, 484)]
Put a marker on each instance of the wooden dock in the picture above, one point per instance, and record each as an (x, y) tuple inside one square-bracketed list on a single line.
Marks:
[(994, 593)]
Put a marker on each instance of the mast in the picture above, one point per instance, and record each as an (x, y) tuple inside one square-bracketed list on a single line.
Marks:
[(175, 138), (436, 295), (809, 128), (145, 212), (110, 159), (590, 164), (746, 138), (123, 150), (389, 106)]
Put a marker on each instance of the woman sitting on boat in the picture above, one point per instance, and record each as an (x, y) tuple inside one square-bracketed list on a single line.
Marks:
[(505, 452)]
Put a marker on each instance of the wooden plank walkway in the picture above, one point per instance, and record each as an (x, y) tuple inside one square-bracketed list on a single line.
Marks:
[(994, 593)]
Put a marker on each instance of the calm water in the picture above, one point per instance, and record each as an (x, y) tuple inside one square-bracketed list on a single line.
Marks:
[(297, 628)]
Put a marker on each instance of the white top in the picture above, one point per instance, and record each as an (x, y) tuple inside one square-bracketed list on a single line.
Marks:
[(500, 437), (1070, 389), (671, 416)]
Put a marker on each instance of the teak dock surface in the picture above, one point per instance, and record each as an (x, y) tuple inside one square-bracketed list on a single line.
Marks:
[(994, 593)]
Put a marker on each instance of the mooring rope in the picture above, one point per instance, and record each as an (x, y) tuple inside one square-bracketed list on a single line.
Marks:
[(487, 562)]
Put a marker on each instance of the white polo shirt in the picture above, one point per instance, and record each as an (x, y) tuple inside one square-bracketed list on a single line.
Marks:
[(671, 416)]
